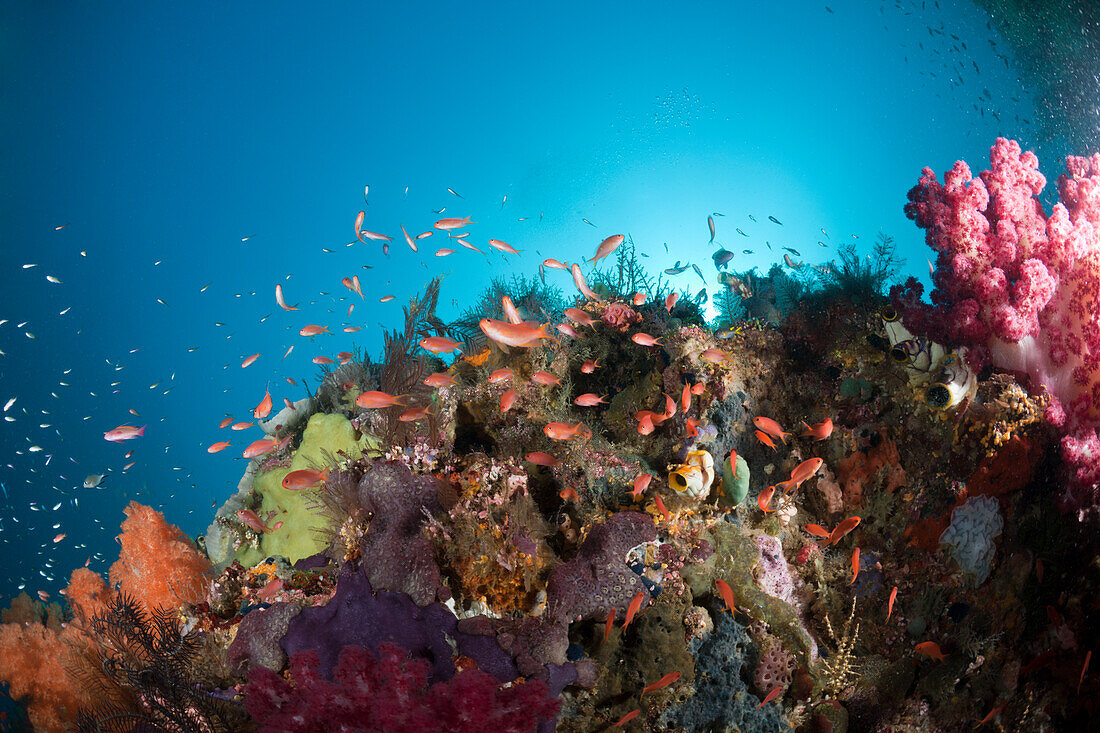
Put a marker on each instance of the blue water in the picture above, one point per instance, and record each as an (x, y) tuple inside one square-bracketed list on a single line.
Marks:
[(161, 136)]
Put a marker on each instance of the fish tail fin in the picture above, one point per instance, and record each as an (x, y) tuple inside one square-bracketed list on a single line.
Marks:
[(141, 431)]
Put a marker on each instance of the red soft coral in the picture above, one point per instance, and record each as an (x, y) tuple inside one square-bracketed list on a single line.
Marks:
[(389, 693), (158, 564)]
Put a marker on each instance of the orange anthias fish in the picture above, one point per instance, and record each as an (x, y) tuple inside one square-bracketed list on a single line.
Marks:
[(590, 366), (763, 438), (439, 344), (519, 335), (698, 388), (414, 413), (817, 530), (511, 310), (931, 649), (579, 316), (260, 447), (803, 471), (632, 609), (820, 431), (771, 427), (219, 446), (322, 360), (670, 300), (855, 566), (691, 426), (439, 379), (726, 592), (545, 378), (507, 400), (609, 624), (568, 330), (226, 422), (841, 529), (452, 223), (589, 399), (685, 397), (373, 400), (541, 459), (124, 432), (240, 426), (714, 356), (312, 330), (503, 246), (646, 424), (661, 508), (665, 681), (890, 602), (304, 479), (765, 498), (644, 339), (627, 718), (264, 408), (281, 300), (249, 360), (641, 483), (555, 264), (500, 375), (58, 538), (252, 520), (771, 696), (990, 715), (608, 246), (562, 431), (581, 283), (638, 298)]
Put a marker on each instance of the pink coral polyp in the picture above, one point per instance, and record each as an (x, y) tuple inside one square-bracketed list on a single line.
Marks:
[(620, 316)]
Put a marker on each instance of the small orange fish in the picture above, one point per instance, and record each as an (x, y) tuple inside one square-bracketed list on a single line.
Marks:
[(43, 595), (608, 246), (698, 388), (805, 470), (578, 316), (359, 225), (609, 624), (562, 431), (641, 483), (692, 427), (638, 298), (1084, 667), (500, 375), (507, 400), (714, 356), (568, 494), (439, 379), (685, 397), (304, 479), (385, 299), (345, 357), (763, 438), (555, 264), (444, 251), (260, 447), (765, 498), (670, 300), (590, 366), (514, 334), (817, 530), (627, 718), (413, 414), (439, 344), (545, 378), (377, 237), (312, 330), (632, 609), (644, 339), (249, 360), (409, 240), (589, 399), (890, 602), (240, 426), (288, 403), (503, 246), (820, 431), (990, 715), (771, 427), (219, 446), (665, 681), (855, 566), (226, 422), (645, 424), (931, 649), (661, 507), (771, 696), (452, 223), (541, 459), (581, 283), (841, 530), (58, 538), (252, 520), (322, 360), (351, 329), (373, 400), (291, 382), (568, 330), (726, 592)]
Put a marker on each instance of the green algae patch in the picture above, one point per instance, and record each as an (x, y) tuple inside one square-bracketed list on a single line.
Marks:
[(735, 555), (300, 534)]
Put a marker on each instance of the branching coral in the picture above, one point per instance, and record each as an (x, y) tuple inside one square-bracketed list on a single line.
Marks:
[(839, 671)]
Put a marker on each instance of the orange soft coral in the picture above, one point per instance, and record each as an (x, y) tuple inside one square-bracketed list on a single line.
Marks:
[(38, 661), (158, 565)]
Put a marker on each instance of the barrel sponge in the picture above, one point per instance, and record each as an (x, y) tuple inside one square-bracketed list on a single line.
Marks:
[(970, 536)]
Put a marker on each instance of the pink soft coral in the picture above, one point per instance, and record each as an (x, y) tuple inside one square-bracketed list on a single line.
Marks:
[(389, 693), (158, 565), (620, 316), (1019, 288)]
